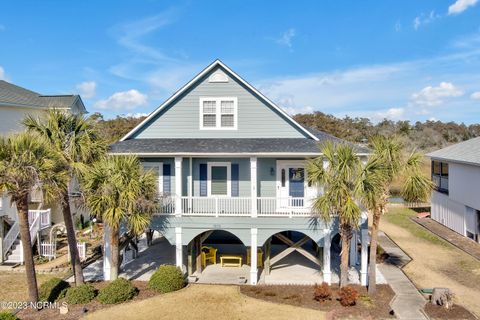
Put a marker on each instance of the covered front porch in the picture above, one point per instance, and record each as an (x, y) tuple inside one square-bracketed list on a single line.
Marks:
[(237, 186)]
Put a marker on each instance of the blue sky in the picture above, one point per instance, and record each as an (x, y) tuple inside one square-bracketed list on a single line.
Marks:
[(413, 60)]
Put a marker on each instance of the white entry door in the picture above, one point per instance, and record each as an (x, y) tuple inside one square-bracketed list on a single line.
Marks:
[(292, 187)]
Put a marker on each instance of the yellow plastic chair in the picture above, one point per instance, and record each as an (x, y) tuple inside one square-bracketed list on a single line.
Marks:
[(209, 255), (259, 257)]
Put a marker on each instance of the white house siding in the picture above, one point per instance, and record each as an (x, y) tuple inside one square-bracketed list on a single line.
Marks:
[(11, 118), (464, 184), (448, 212), (256, 119)]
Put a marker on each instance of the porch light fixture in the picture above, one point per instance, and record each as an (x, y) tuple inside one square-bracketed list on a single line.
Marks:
[(272, 171)]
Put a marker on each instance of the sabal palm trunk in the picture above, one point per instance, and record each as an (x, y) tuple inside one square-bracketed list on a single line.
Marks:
[(114, 242), (372, 270), (72, 241), (22, 207), (346, 236)]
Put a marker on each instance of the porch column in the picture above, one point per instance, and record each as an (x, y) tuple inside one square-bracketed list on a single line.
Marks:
[(364, 258), (107, 253), (178, 185), (327, 274), (198, 252), (178, 248), (353, 250), (253, 182), (253, 258)]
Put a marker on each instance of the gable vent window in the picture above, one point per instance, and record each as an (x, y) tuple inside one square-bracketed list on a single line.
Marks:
[(218, 113)]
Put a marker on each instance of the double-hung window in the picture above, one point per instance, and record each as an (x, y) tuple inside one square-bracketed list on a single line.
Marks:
[(218, 113)]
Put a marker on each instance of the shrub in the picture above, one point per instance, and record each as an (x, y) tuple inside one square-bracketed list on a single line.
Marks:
[(117, 291), (5, 315), (81, 294), (322, 292), (51, 290), (347, 296), (167, 278)]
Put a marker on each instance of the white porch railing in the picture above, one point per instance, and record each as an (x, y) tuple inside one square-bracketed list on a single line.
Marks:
[(237, 206), (48, 250), (274, 207), (10, 238), (45, 217), (82, 251), (216, 206)]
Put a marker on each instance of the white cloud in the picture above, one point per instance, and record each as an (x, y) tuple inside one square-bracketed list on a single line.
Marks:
[(287, 37), (136, 114), (2, 74), (475, 95), (293, 111), (87, 89), (433, 96), (125, 100), (392, 114), (424, 19), (460, 5)]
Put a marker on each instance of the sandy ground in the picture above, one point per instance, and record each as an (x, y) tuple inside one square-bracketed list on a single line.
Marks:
[(13, 286), (436, 265), (206, 302)]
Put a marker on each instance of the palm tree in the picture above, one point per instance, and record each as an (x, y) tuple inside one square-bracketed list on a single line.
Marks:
[(119, 192), (386, 163), (338, 180), (76, 142), (26, 161)]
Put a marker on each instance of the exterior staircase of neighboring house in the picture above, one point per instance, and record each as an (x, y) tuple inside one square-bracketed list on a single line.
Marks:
[(38, 220)]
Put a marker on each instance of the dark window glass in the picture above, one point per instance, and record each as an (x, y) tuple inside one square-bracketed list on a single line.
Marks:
[(444, 169), (437, 168)]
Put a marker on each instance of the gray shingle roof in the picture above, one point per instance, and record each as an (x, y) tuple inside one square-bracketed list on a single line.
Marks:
[(220, 146), (463, 152), (14, 95)]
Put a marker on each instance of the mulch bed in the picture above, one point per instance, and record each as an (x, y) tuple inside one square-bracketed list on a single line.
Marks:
[(76, 311), (436, 312), (377, 307)]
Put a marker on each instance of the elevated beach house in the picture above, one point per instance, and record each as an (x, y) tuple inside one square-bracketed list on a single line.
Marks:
[(456, 176), (231, 169)]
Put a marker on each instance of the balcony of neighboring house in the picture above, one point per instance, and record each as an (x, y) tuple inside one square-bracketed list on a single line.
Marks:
[(233, 187), (440, 176)]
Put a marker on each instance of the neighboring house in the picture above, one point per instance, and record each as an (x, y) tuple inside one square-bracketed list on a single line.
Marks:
[(456, 199), (231, 170), (15, 104)]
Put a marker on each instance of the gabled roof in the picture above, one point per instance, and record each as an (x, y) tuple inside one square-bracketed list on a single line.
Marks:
[(194, 81), (464, 152), (15, 96), (223, 146)]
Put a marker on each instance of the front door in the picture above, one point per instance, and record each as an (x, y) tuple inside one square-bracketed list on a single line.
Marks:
[(291, 184)]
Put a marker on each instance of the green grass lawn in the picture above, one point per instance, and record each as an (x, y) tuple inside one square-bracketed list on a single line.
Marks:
[(401, 217)]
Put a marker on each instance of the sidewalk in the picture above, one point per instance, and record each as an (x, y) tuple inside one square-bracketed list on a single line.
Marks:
[(408, 303), (461, 242)]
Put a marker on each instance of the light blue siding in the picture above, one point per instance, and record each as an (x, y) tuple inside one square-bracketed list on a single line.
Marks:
[(243, 174), (266, 185), (255, 118), (169, 161)]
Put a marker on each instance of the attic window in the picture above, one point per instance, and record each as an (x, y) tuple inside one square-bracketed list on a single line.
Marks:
[(218, 77), (218, 113)]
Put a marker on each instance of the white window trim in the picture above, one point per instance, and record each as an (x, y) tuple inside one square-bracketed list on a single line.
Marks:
[(147, 165), (229, 178), (218, 117)]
